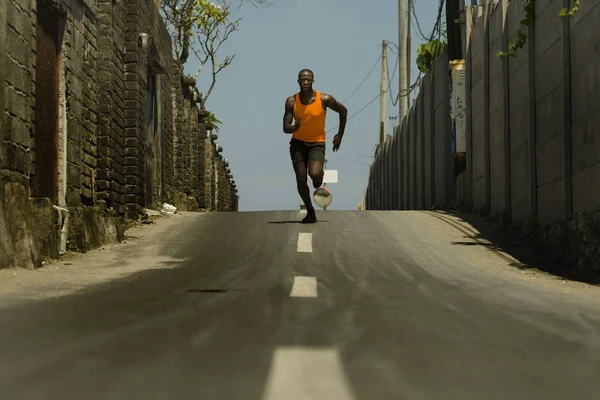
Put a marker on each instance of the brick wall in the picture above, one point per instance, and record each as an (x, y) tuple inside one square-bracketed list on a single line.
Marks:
[(208, 174), (19, 91), (80, 54), (97, 123), (111, 116), (177, 100), (201, 167)]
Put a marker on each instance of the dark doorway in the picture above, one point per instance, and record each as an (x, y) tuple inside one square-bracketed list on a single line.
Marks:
[(48, 45), (151, 123)]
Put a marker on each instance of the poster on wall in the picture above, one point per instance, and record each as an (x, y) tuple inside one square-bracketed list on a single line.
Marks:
[(459, 108)]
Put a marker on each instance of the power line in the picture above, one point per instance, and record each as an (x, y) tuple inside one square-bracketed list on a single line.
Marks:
[(397, 98), (414, 13), (358, 112), (356, 139), (436, 29), (364, 80)]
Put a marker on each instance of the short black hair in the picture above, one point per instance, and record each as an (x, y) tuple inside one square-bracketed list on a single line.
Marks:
[(306, 70)]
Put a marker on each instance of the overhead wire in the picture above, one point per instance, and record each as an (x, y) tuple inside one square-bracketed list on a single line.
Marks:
[(358, 112), (356, 140), (414, 13), (364, 80), (436, 30), (394, 102)]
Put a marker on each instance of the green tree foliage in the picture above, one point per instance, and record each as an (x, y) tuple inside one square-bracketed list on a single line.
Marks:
[(427, 53)]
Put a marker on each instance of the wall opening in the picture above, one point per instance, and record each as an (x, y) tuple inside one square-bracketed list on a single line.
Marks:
[(151, 125), (49, 34)]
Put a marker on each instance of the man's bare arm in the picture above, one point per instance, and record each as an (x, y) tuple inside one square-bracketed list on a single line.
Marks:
[(288, 117), (338, 107)]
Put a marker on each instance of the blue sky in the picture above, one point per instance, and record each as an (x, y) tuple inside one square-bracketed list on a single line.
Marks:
[(340, 40)]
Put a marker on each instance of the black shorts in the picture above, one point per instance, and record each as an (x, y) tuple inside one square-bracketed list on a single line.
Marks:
[(307, 151)]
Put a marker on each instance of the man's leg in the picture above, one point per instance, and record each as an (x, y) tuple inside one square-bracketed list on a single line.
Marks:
[(304, 192), (315, 170), (302, 183), (316, 160), (299, 155)]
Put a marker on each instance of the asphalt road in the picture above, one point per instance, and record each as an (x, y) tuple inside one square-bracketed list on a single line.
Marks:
[(361, 306)]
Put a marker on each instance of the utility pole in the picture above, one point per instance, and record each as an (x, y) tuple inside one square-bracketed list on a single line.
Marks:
[(453, 7), (383, 98), (402, 53)]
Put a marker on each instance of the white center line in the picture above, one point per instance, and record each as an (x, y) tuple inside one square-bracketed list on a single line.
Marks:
[(305, 243), (304, 286), (307, 373)]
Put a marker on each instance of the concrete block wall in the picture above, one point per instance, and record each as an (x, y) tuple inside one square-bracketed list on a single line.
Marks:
[(495, 112), (533, 149), (79, 153), (547, 107), (477, 62), (584, 49), (549, 120), (419, 152), (428, 148), (519, 118), (444, 187), (414, 169)]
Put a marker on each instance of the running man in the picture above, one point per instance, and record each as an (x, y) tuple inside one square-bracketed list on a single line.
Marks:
[(308, 109)]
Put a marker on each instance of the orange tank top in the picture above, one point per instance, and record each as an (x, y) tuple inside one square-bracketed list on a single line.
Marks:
[(312, 128)]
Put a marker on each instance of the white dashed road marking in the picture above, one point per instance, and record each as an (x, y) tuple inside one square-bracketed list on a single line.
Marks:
[(304, 286), (305, 243), (307, 373)]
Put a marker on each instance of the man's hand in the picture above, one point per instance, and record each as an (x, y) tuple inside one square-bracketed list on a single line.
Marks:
[(337, 140), (297, 125), (288, 117)]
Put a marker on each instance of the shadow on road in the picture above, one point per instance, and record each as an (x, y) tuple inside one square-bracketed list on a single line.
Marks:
[(223, 325), (292, 222), (506, 239)]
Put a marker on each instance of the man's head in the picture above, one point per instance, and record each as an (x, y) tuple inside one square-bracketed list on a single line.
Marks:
[(306, 79)]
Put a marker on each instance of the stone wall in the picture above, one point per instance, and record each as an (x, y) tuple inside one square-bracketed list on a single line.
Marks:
[(98, 123), (111, 116)]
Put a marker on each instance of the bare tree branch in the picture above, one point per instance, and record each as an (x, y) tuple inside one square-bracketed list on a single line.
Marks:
[(200, 27)]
